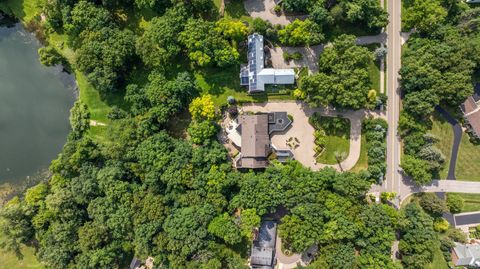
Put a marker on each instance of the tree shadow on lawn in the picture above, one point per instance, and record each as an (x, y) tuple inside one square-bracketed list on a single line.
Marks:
[(235, 9), (216, 81)]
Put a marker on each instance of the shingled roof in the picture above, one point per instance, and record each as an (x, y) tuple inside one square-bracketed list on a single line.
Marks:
[(255, 140), (263, 248), (471, 111)]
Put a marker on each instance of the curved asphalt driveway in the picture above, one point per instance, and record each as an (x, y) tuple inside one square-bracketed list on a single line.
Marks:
[(457, 132)]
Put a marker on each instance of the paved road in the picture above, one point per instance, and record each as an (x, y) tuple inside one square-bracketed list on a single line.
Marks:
[(394, 181), (457, 137)]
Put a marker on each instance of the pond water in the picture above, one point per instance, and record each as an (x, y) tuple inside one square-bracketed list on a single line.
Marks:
[(34, 107)]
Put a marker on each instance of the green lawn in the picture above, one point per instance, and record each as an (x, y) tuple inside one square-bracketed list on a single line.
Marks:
[(444, 132), (438, 261), (374, 73), (468, 160), (24, 10), (335, 142), (29, 261), (9, 260), (374, 69), (234, 9), (342, 27), (221, 83), (471, 201), (362, 163)]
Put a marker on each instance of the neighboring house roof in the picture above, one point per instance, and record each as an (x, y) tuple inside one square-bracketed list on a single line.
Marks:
[(255, 140), (471, 110), (255, 75), (467, 254), (263, 248)]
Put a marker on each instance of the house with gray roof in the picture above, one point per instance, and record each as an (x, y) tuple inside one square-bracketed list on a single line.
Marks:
[(255, 75), (471, 112), (263, 247), (251, 133), (466, 255)]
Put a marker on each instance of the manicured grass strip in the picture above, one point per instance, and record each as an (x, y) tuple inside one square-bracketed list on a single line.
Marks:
[(468, 167), (374, 73), (471, 201), (442, 130), (374, 69)]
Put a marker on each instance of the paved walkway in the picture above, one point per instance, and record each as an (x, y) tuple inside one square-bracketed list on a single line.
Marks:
[(264, 9), (457, 137), (302, 130)]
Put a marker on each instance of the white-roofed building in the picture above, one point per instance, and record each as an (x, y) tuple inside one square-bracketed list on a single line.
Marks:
[(254, 75)]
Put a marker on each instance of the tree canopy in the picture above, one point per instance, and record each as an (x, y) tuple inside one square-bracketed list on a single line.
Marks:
[(343, 78)]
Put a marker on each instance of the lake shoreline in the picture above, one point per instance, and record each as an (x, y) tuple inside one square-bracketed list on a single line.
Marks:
[(49, 125)]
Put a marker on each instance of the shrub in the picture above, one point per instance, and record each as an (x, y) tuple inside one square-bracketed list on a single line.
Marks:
[(202, 108), (49, 56), (300, 33), (292, 56), (202, 132), (375, 131), (454, 203), (457, 235), (441, 225)]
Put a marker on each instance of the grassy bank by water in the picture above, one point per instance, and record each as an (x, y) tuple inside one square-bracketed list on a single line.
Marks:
[(28, 10)]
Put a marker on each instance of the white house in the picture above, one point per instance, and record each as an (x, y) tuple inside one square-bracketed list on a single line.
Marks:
[(254, 75)]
